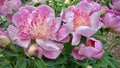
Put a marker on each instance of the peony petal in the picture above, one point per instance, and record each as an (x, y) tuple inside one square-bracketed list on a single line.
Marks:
[(57, 24), (5, 10), (46, 11), (98, 55), (13, 34), (88, 51), (76, 55), (47, 45), (116, 4), (62, 33), (21, 17), (14, 4), (2, 2), (53, 54), (75, 39), (84, 6), (85, 31), (95, 22), (68, 15), (29, 8), (98, 45), (66, 39)]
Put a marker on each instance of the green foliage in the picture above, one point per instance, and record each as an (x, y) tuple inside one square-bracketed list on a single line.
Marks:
[(106, 62)]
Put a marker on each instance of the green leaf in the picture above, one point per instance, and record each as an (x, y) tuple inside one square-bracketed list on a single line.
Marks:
[(40, 63), (23, 64), (5, 63), (107, 62)]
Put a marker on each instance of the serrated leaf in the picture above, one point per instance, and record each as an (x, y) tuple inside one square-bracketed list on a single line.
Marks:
[(40, 63), (109, 62), (5, 64), (106, 62)]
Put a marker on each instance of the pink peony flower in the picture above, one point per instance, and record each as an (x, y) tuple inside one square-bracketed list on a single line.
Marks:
[(115, 5), (92, 49), (6, 6), (4, 40), (39, 25), (82, 19), (111, 20)]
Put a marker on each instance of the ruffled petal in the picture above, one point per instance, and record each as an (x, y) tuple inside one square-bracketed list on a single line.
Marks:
[(46, 11), (13, 34)]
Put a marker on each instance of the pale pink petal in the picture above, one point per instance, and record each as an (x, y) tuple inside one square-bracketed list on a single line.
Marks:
[(98, 45), (14, 4), (66, 39), (13, 34), (47, 45), (116, 4), (75, 39), (29, 8), (88, 51), (85, 31), (21, 17), (51, 49), (68, 15), (62, 33), (5, 10), (57, 24), (53, 54), (45, 11), (76, 54), (99, 55), (84, 6), (95, 21)]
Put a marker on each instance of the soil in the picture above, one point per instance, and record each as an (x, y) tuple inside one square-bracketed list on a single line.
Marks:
[(115, 50)]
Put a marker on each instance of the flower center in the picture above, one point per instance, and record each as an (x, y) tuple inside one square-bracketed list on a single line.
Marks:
[(35, 28), (81, 19), (90, 43), (41, 29)]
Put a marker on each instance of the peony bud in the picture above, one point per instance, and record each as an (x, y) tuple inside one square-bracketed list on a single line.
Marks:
[(92, 49), (111, 20), (89, 66), (67, 2), (33, 50), (4, 40)]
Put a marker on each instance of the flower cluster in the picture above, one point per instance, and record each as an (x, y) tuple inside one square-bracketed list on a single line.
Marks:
[(39, 25)]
